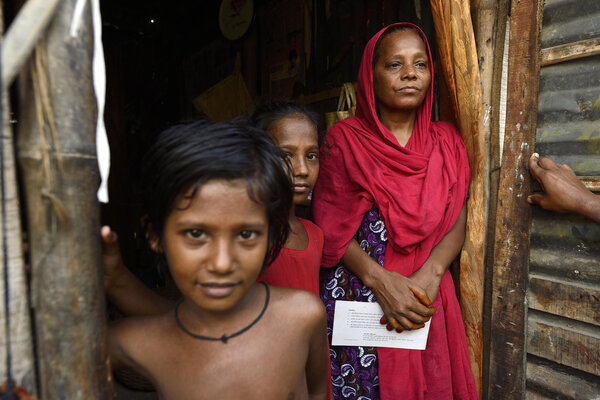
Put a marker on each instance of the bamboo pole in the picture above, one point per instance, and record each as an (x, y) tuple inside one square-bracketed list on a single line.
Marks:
[(456, 45), (21, 344), (23, 34), (57, 153)]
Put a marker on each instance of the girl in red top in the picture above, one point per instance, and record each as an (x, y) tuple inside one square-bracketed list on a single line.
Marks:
[(294, 130), (391, 193)]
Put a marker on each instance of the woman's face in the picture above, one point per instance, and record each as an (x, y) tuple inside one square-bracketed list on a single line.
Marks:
[(401, 74)]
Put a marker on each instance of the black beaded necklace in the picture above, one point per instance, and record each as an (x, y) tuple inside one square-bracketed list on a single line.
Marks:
[(225, 337)]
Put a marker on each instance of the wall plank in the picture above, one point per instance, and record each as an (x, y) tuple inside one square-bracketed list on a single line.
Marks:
[(564, 341), (511, 250), (560, 382), (564, 298)]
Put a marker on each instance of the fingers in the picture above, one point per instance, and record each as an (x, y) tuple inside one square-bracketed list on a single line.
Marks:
[(409, 322), (110, 243), (421, 296), (534, 167), (535, 199), (539, 165), (108, 236), (548, 164), (567, 167), (538, 168), (401, 324)]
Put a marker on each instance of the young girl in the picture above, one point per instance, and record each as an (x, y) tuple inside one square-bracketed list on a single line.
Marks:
[(218, 203), (294, 130)]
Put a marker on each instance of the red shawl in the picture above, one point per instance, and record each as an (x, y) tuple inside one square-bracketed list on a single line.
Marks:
[(419, 190)]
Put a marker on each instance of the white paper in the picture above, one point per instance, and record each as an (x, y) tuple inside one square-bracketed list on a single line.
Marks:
[(357, 324)]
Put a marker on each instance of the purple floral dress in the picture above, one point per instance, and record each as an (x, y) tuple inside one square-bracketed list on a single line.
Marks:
[(354, 370)]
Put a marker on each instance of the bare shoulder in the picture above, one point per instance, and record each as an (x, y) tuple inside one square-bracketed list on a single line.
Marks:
[(300, 305), (130, 338), (134, 326)]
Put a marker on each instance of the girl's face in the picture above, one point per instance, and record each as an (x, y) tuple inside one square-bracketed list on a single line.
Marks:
[(401, 75), (215, 244), (297, 137)]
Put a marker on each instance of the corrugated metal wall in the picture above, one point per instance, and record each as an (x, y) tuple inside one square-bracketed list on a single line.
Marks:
[(563, 330)]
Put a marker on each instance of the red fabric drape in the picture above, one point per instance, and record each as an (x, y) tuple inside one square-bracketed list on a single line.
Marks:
[(420, 190)]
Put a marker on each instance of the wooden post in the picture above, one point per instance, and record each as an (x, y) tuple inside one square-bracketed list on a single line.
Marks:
[(489, 18), (489, 23), (57, 153), (456, 45), (21, 343), (511, 250)]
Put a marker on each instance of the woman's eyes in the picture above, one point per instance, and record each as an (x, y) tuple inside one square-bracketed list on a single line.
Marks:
[(418, 64), (195, 234)]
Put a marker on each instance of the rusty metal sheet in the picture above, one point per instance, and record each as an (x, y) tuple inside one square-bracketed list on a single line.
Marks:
[(563, 335), (569, 114), (567, 21)]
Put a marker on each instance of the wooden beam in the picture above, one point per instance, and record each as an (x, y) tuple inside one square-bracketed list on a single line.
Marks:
[(23, 34), (511, 250), (571, 51), (493, 165), (57, 153), (460, 66), (562, 383), (564, 341), (565, 298)]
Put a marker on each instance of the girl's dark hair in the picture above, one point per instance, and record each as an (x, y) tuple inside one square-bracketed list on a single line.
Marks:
[(393, 29), (187, 156), (268, 113)]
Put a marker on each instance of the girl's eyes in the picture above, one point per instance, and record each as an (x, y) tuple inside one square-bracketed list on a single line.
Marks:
[(198, 234), (310, 156), (248, 235), (195, 234)]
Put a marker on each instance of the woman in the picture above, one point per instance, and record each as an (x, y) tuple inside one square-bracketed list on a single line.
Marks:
[(391, 193)]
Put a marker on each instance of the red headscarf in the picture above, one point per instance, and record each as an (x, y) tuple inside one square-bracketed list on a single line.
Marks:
[(419, 190)]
